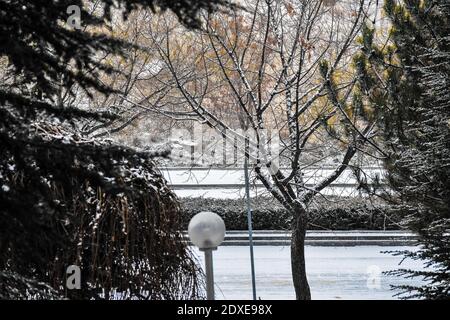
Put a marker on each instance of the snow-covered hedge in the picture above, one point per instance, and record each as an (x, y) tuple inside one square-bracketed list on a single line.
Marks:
[(68, 200), (340, 214)]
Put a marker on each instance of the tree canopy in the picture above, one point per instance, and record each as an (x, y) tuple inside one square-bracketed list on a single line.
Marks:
[(407, 81), (68, 199)]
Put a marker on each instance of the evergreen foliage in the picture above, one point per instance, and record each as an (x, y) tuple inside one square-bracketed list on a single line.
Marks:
[(406, 82)]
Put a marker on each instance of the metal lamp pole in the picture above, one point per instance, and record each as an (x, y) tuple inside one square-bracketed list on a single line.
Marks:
[(250, 228), (209, 273)]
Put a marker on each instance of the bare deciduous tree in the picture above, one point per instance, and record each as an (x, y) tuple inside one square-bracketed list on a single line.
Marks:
[(279, 65)]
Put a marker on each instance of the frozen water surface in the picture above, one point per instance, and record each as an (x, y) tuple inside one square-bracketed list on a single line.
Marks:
[(334, 272)]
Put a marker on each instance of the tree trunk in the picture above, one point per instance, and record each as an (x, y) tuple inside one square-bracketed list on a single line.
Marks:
[(299, 278)]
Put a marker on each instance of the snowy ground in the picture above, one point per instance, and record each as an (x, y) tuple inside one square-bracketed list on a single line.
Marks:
[(334, 272), (229, 183)]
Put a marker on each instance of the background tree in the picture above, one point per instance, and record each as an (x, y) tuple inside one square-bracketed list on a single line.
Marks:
[(285, 67), (407, 81)]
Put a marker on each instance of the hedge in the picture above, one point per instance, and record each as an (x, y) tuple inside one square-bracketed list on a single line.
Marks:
[(338, 214)]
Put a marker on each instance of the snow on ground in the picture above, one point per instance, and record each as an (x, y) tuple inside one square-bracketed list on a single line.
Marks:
[(239, 193), (205, 176), (229, 183), (333, 272)]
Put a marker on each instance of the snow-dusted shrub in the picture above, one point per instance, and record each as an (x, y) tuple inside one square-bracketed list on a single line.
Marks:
[(67, 201), (340, 214)]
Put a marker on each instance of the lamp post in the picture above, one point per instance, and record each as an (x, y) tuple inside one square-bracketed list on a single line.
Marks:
[(207, 231), (249, 223)]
